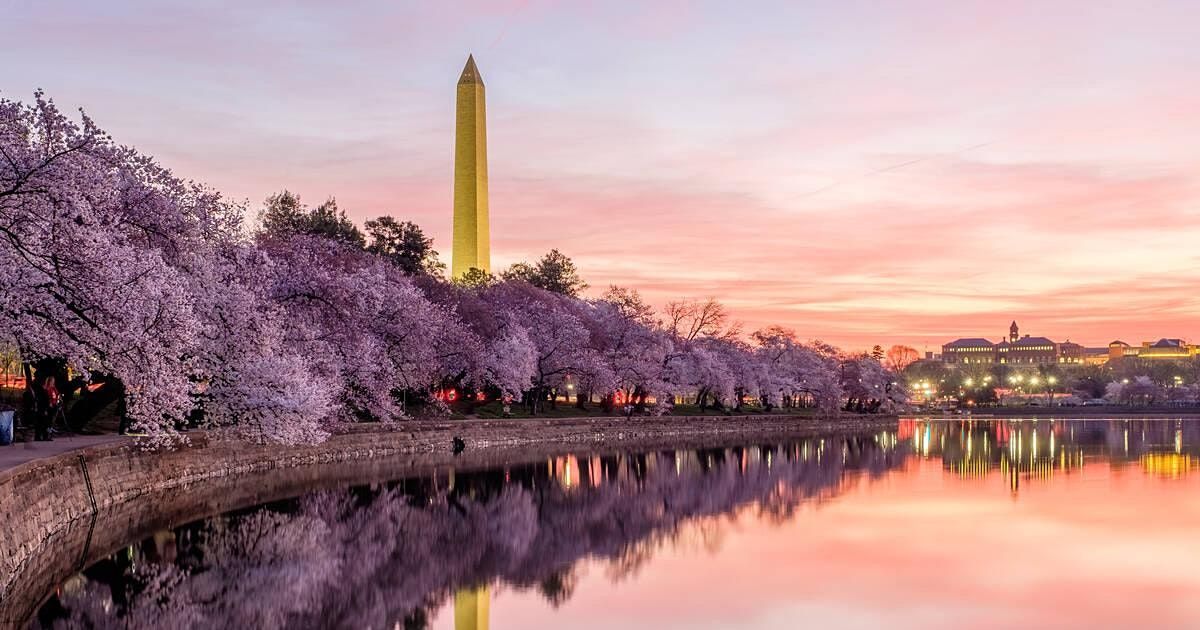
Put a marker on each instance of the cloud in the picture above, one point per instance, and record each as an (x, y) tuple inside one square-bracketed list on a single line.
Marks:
[(864, 174)]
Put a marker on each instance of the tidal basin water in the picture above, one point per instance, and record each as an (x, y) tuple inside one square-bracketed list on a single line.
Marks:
[(933, 524)]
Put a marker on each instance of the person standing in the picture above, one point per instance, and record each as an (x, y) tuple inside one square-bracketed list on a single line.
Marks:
[(46, 405)]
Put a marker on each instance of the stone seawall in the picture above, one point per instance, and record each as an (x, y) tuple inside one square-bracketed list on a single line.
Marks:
[(62, 513)]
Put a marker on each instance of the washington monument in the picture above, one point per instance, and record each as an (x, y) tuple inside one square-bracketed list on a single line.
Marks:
[(472, 237)]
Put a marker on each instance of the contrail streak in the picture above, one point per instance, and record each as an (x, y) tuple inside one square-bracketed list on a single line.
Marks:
[(508, 22), (892, 167)]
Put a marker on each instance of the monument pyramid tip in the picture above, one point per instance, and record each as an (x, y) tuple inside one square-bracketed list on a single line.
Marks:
[(470, 73)]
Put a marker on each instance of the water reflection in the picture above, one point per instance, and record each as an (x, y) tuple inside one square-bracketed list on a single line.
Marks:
[(1023, 451), (994, 515), (393, 555)]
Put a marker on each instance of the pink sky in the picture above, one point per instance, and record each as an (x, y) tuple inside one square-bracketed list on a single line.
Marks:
[(862, 172)]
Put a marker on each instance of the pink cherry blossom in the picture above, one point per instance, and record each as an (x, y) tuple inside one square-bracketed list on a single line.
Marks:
[(117, 266)]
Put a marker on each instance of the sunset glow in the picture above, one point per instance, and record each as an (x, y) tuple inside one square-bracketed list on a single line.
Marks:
[(862, 172)]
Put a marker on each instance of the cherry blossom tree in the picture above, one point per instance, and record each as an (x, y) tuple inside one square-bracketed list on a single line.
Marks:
[(867, 384), (493, 348), (795, 371), (558, 335), (624, 332), (249, 374), (92, 239), (1138, 390), (118, 268), (360, 322)]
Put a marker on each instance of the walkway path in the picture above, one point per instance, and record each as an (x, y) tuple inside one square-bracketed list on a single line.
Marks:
[(18, 453)]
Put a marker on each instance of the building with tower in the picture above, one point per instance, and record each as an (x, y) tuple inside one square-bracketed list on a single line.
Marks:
[(472, 232), (1015, 349), (1018, 349)]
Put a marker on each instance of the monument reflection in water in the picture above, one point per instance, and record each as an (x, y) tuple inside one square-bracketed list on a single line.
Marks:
[(935, 524)]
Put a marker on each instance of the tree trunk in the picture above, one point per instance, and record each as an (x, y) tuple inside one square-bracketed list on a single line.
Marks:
[(639, 395)]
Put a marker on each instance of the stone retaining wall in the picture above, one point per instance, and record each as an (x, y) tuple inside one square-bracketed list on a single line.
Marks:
[(54, 526)]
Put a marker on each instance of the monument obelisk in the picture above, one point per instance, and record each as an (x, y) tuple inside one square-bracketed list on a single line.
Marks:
[(472, 236)]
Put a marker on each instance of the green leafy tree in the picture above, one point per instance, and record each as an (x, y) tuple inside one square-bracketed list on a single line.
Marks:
[(326, 220), (475, 278), (284, 215), (403, 243), (942, 379), (522, 271), (1089, 381), (553, 272), (630, 305)]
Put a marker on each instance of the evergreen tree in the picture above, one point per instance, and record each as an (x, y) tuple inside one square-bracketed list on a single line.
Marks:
[(553, 272), (284, 215), (404, 244)]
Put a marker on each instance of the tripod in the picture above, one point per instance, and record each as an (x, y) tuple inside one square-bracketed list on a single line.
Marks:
[(60, 417)]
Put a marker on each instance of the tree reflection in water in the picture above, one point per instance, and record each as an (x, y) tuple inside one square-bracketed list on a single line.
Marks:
[(387, 555)]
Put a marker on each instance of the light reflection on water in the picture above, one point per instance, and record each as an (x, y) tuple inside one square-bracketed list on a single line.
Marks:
[(934, 524)]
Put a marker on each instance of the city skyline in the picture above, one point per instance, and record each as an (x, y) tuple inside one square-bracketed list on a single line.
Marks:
[(821, 175)]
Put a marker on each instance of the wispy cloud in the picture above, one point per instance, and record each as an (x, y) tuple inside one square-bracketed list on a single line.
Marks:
[(863, 172)]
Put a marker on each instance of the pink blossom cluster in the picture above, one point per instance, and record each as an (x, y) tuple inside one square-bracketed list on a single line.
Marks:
[(114, 264)]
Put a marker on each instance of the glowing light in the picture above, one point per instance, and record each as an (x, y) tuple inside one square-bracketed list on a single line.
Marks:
[(1171, 465)]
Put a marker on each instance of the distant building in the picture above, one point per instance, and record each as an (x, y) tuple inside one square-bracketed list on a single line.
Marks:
[(1119, 349), (1095, 356), (1163, 349), (1015, 350), (969, 350), (1028, 350)]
